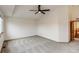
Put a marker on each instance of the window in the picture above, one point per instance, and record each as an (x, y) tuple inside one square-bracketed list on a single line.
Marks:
[(1, 24)]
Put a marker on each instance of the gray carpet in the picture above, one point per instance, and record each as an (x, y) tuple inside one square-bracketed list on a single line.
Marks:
[(37, 44)]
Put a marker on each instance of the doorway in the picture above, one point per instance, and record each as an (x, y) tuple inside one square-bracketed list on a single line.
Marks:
[(74, 29)]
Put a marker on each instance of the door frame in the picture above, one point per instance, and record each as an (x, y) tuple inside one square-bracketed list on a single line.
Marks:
[(72, 36)]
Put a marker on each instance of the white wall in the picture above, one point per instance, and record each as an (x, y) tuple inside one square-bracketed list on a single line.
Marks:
[(74, 12), (48, 26), (2, 38), (55, 25), (17, 28), (63, 19)]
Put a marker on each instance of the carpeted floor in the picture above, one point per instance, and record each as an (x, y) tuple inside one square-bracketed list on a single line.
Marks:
[(37, 44)]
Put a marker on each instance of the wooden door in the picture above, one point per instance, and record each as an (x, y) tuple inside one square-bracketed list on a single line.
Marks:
[(72, 30)]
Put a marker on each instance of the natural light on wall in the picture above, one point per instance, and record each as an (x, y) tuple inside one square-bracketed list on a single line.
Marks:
[(77, 24), (1, 24)]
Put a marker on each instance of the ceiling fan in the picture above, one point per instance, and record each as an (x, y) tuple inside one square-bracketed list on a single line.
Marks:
[(40, 10)]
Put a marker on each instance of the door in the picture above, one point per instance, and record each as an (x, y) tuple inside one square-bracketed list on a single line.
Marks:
[(71, 30)]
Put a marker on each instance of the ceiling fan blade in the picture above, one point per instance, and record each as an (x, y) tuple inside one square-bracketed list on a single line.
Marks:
[(42, 12), (46, 10), (36, 12), (33, 10)]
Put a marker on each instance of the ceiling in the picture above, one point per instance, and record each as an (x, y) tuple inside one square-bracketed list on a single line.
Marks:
[(22, 11)]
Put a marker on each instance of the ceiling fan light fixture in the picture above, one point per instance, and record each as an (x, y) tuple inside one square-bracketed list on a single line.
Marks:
[(40, 11)]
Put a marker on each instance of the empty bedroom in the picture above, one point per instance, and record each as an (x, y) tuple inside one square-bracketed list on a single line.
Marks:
[(39, 28)]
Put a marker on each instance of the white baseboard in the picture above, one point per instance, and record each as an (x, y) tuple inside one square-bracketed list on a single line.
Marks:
[(37, 35), (47, 37), (20, 37)]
